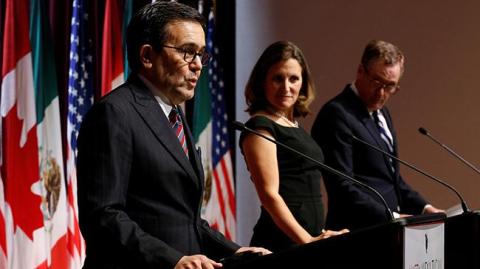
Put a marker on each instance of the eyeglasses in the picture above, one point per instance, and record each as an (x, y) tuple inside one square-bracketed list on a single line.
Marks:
[(189, 54), (390, 88)]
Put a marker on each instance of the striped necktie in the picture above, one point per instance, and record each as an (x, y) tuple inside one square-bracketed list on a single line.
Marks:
[(383, 132), (386, 139), (177, 126)]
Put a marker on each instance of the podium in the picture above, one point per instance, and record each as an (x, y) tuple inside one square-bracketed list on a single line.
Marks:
[(380, 246), (462, 241)]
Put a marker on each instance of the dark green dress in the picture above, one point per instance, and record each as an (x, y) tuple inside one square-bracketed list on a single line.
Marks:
[(299, 184)]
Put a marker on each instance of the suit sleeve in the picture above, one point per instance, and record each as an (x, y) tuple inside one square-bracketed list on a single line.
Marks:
[(217, 246), (332, 132), (104, 165), (411, 201)]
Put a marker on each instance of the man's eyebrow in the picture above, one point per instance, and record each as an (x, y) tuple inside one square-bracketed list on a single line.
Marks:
[(192, 45), (383, 80)]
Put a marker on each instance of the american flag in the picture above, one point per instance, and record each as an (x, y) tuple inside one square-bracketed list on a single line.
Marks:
[(80, 82), (80, 99), (221, 156)]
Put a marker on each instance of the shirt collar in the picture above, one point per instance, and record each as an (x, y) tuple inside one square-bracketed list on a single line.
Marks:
[(161, 99)]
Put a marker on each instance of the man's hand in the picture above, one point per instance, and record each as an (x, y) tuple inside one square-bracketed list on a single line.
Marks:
[(197, 262), (429, 209)]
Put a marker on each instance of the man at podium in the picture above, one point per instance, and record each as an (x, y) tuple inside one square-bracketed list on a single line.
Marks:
[(359, 110)]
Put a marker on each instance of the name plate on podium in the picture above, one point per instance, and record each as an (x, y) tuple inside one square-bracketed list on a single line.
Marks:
[(424, 246)]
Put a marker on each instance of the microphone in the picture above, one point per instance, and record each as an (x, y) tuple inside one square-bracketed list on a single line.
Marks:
[(425, 132), (463, 203), (241, 127)]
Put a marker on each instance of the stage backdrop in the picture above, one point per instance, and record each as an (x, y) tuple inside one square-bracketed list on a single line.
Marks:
[(440, 88)]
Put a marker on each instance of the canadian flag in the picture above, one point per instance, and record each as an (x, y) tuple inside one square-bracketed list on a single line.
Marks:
[(3, 227), (112, 55), (25, 246), (33, 204)]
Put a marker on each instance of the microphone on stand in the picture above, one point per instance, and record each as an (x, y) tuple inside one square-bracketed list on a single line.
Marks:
[(241, 127), (425, 132), (462, 201)]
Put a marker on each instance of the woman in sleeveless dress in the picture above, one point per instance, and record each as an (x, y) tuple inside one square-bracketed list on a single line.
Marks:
[(279, 91)]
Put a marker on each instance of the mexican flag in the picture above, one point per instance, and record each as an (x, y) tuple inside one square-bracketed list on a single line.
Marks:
[(211, 135), (52, 180)]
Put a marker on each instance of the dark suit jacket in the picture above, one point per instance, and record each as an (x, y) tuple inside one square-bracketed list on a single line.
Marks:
[(139, 196), (349, 205)]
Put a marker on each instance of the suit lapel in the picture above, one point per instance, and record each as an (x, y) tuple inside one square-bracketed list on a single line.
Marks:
[(152, 113), (193, 154), (369, 123), (374, 132), (364, 117)]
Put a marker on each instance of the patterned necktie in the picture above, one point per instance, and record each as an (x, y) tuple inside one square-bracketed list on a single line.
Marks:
[(177, 126), (385, 137), (383, 132)]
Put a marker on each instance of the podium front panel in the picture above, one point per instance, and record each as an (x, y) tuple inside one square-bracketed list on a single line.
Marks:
[(424, 246)]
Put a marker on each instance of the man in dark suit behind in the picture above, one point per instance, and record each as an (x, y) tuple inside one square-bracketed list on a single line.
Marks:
[(359, 110), (140, 179)]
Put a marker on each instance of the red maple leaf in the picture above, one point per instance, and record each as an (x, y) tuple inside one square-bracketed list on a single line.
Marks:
[(20, 170)]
